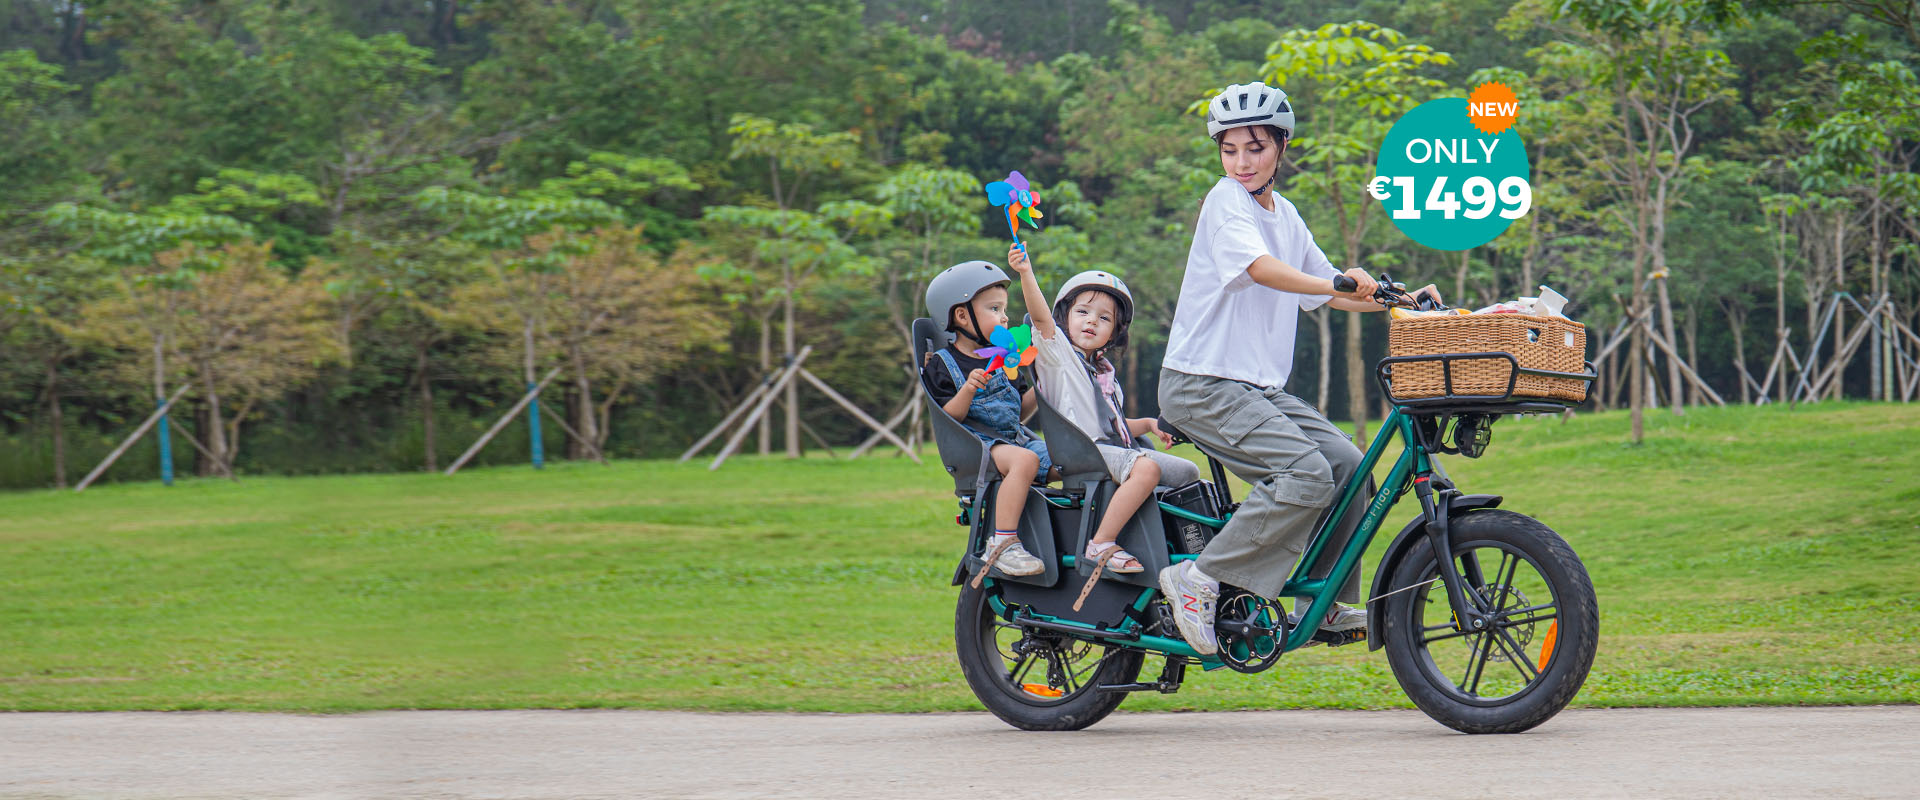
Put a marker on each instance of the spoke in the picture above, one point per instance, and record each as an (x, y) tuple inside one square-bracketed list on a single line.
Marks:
[(1516, 655), (1477, 664), (1445, 636), (1515, 623), (1509, 564), (1526, 610)]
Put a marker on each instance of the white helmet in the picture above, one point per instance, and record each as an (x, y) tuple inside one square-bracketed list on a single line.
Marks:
[(1249, 104), (1103, 281)]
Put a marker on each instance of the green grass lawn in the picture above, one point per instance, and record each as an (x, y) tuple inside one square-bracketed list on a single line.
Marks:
[(1742, 556)]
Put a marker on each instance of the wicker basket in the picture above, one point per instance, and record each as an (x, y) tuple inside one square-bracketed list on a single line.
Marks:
[(1545, 343)]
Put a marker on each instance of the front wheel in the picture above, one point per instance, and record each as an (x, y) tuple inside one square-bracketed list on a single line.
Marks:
[(1535, 654), (1036, 680)]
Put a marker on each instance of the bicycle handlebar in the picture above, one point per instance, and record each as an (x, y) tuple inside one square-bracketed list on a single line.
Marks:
[(1389, 293)]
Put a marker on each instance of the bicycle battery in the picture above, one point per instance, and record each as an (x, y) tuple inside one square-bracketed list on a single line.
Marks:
[(1188, 536)]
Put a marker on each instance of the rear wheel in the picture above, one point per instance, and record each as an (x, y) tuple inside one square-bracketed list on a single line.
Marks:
[(1036, 680), (1535, 654)]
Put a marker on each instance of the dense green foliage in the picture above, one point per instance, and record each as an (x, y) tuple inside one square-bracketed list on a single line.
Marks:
[(445, 177), (1740, 556)]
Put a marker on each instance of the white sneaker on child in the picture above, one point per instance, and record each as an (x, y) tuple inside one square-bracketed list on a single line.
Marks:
[(1015, 560), (1192, 598)]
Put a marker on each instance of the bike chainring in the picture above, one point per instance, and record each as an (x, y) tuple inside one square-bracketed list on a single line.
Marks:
[(1251, 630)]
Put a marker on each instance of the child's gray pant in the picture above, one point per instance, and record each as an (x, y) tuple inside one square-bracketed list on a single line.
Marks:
[(1295, 461)]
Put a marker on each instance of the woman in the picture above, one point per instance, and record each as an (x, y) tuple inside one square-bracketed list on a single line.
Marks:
[(1252, 268)]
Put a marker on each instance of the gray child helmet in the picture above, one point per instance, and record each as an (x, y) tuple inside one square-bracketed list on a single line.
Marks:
[(957, 285)]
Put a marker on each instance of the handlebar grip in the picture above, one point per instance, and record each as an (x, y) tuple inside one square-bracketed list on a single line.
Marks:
[(1342, 283)]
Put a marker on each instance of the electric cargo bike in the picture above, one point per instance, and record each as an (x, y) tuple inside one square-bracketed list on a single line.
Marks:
[(1494, 637)]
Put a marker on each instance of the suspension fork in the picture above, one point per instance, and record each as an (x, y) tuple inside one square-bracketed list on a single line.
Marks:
[(1440, 536)]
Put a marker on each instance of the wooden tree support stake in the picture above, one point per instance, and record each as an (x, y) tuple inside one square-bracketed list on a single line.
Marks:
[(591, 447), (134, 437), (502, 422)]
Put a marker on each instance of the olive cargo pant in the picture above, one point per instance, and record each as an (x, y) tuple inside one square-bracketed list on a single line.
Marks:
[(1295, 461)]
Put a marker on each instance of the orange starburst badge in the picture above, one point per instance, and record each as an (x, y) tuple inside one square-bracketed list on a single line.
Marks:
[(1491, 107)]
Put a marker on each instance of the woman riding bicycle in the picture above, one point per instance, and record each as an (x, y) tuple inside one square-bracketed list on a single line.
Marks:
[(1252, 267)]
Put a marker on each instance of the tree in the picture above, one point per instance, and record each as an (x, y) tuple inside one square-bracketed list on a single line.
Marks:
[(1641, 72), (620, 316), (798, 242), (233, 325)]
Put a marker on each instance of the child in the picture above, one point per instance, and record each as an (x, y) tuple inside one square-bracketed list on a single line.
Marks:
[(1093, 310), (971, 299)]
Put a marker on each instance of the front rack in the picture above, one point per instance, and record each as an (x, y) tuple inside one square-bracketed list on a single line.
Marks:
[(1503, 403)]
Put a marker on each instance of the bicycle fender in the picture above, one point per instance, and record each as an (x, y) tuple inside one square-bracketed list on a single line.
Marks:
[(1414, 531)]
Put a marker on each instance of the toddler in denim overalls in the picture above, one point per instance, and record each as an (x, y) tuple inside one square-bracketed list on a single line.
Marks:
[(971, 299)]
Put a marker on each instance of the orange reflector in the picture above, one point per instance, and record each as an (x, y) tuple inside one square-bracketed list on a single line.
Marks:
[(1041, 690), (1546, 647)]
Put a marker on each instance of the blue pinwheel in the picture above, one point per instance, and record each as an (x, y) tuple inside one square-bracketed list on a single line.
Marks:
[(1017, 197)]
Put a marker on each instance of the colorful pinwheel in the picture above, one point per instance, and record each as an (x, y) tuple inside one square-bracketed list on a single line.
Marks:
[(1007, 342), (1018, 198)]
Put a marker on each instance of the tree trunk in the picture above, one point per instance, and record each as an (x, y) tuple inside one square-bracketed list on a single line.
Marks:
[(1356, 378), (429, 445), (1839, 285), (1636, 366), (1739, 322), (1694, 397), (1780, 302), (1674, 388), (766, 370), (59, 423), (1878, 368), (793, 387), (584, 419), (1460, 278), (216, 429), (1323, 318)]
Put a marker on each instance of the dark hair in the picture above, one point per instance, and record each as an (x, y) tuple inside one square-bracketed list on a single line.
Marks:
[(1115, 343), (1273, 131)]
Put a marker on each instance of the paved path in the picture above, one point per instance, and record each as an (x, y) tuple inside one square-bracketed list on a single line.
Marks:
[(1690, 753)]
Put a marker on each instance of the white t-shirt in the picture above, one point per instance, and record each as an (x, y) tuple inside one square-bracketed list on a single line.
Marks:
[(1226, 325), (1067, 386)]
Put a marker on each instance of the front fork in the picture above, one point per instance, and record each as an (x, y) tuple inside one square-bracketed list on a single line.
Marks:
[(1437, 506)]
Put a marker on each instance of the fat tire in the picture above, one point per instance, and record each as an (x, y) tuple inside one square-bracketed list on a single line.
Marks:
[(1578, 636), (980, 663)]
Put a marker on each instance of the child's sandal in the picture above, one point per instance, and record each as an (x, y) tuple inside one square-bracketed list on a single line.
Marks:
[(1118, 561), (1103, 555)]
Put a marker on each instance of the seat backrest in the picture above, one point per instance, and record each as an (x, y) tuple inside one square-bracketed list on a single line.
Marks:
[(1069, 447), (960, 451)]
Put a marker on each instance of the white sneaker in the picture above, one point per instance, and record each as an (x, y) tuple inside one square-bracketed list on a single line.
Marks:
[(1015, 560), (1192, 600)]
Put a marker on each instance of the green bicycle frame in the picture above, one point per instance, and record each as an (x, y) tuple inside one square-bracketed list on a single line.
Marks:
[(1413, 461)]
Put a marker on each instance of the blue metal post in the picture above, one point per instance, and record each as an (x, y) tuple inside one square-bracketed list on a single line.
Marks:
[(533, 427), (166, 446)]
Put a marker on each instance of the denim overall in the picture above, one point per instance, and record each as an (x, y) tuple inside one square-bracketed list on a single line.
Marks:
[(994, 415)]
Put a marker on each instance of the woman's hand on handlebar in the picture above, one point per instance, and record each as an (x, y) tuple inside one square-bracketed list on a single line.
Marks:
[(1358, 286), (1429, 290)]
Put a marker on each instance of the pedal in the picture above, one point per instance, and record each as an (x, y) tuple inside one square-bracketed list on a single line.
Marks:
[(1340, 638)]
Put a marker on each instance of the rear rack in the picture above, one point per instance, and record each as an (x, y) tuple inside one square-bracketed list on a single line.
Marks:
[(1450, 403)]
